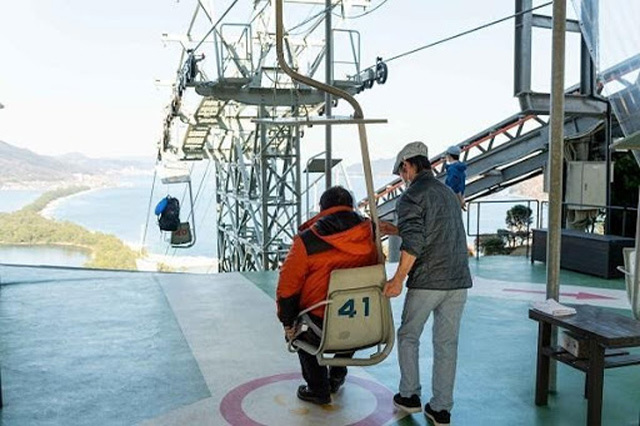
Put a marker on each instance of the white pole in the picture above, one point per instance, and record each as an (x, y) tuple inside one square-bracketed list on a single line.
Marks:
[(636, 281)]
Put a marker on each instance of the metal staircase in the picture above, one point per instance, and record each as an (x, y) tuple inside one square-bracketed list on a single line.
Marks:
[(515, 149)]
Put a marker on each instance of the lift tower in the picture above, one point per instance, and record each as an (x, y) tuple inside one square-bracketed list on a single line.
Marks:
[(234, 71)]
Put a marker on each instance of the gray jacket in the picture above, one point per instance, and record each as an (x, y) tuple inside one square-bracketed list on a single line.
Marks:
[(431, 228)]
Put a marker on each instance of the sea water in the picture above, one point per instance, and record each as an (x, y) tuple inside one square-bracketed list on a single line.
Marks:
[(126, 209), (15, 199)]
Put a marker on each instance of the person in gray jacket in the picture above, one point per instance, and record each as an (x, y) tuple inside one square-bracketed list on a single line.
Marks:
[(434, 256)]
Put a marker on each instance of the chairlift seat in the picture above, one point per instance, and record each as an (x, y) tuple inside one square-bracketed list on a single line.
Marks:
[(182, 235), (357, 316)]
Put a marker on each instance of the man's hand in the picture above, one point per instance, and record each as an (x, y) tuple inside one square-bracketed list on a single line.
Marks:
[(393, 287), (388, 228), (290, 332)]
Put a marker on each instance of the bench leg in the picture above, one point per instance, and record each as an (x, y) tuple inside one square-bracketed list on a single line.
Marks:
[(595, 381), (586, 385), (542, 368)]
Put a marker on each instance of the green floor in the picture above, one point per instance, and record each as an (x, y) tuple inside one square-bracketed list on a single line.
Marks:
[(81, 347), (520, 269), (497, 358)]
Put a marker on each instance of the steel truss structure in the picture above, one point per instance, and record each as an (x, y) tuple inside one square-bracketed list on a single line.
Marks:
[(516, 148), (258, 172)]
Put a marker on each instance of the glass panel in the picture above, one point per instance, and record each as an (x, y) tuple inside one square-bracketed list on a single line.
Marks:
[(612, 33)]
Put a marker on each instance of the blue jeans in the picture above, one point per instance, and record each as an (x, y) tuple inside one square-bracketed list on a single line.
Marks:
[(447, 307)]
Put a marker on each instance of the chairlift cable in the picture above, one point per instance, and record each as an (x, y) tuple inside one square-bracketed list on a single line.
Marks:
[(308, 18), (255, 16), (472, 30), (366, 12), (322, 12), (184, 191), (146, 225), (215, 25), (204, 176)]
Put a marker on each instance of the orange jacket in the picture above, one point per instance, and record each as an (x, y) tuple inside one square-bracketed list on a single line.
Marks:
[(336, 238)]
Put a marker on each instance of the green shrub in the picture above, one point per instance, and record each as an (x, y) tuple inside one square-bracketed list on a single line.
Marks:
[(493, 245)]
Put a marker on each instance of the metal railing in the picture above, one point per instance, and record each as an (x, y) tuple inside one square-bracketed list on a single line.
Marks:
[(479, 204), (539, 220), (603, 210)]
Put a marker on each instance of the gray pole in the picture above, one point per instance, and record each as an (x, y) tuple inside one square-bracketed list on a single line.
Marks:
[(556, 137), (328, 66), (555, 163)]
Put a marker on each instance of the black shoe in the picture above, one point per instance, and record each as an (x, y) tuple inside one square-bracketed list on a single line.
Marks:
[(438, 418), (335, 383), (410, 405), (306, 394)]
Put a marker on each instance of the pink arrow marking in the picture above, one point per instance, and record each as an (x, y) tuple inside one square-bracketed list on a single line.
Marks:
[(579, 295)]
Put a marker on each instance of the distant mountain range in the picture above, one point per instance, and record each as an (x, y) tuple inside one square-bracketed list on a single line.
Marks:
[(381, 169), (19, 166)]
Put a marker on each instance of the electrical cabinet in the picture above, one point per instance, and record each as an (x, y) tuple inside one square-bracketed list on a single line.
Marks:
[(586, 184)]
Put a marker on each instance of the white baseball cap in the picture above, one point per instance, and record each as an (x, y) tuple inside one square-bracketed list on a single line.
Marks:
[(410, 150)]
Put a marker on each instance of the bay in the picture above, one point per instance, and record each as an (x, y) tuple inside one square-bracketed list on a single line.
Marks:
[(15, 199), (48, 255), (123, 211)]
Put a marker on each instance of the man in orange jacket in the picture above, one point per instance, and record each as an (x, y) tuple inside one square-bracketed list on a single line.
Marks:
[(336, 238)]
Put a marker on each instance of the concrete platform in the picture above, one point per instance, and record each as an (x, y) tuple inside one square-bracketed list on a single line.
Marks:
[(83, 347)]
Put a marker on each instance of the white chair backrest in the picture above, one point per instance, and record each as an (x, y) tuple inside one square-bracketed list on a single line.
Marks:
[(359, 316), (630, 279)]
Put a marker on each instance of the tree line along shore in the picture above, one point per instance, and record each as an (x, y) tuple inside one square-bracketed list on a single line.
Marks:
[(27, 226)]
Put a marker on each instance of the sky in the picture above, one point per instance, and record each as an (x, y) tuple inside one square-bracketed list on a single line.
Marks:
[(79, 76)]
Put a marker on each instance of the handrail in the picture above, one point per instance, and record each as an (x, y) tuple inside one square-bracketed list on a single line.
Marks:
[(387, 189), (513, 202), (624, 209), (539, 215)]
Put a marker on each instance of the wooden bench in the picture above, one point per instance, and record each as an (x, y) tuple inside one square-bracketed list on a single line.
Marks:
[(604, 332)]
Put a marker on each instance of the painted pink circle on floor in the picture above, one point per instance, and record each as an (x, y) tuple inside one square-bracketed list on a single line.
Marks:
[(231, 405)]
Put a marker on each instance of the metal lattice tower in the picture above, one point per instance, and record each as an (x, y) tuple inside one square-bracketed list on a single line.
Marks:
[(258, 168)]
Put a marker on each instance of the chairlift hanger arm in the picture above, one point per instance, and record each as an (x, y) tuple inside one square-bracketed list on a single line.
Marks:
[(357, 114)]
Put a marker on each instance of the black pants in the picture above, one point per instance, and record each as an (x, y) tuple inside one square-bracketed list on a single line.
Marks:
[(317, 376)]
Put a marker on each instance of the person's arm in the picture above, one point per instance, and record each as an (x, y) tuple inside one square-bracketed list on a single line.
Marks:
[(393, 287), (411, 230), (461, 200), (292, 277), (388, 228)]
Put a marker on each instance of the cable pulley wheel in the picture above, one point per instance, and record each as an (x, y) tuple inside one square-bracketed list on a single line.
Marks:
[(382, 72)]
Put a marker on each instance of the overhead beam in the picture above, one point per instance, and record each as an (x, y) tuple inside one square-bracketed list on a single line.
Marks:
[(540, 103), (543, 21), (503, 177), (264, 95)]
